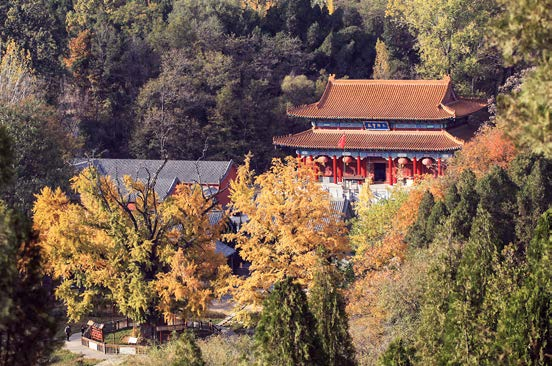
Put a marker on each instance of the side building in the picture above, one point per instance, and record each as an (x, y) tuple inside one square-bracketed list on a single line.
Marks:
[(213, 176), (385, 130)]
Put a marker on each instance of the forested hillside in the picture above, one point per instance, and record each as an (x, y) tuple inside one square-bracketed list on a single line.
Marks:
[(144, 78), (455, 270)]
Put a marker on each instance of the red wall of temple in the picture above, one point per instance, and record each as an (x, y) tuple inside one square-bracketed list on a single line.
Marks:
[(224, 187)]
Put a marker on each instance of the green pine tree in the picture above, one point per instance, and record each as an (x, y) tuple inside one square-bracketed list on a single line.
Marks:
[(446, 254), (187, 352), (497, 195), (398, 353), (6, 158), (27, 331), (327, 304), (521, 167), (533, 199), (525, 327), (416, 235), (437, 216), (462, 214), (452, 198), (286, 332), (454, 329), (468, 324)]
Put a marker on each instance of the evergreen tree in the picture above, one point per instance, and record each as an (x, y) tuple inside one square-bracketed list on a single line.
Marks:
[(286, 333), (40, 149), (452, 198), (497, 195), (467, 320), (436, 218), (462, 215), (398, 353), (437, 300), (455, 329), (533, 199), (526, 114), (6, 158), (327, 304), (27, 331), (525, 327), (416, 235), (521, 167), (523, 30), (187, 352)]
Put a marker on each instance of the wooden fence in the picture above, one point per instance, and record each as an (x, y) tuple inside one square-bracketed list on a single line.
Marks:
[(108, 348), (163, 333)]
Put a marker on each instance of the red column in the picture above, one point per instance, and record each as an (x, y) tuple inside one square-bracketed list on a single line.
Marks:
[(363, 169), (334, 170), (414, 167), (358, 166), (340, 171), (390, 169), (312, 165), (439, 169), (298, 159)]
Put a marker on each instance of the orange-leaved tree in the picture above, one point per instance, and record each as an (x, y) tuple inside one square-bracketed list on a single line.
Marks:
[(291, 227), (491, 146), (119, 243)]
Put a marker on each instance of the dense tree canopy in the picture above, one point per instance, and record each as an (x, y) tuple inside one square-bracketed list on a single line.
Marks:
[(453, 271), (39, 147), (291, 226), (450, 37), (150, 258)]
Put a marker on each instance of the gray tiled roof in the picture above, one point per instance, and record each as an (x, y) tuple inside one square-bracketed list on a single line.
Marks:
[(343, 206), (215, 216), (224, 249), (174, 171)]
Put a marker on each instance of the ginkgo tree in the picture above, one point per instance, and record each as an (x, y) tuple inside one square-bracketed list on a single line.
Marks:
[(291, 227), (119, 243)]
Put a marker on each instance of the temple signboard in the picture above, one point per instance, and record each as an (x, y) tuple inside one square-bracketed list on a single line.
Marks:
[(379, 126)]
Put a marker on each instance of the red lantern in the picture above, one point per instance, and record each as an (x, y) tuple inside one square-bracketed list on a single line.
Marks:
[(403, 161), (427, 161), (323, 160), (348, 160)]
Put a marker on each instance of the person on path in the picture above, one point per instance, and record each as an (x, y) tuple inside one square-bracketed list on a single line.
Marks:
[(83, 329), (68, 331)]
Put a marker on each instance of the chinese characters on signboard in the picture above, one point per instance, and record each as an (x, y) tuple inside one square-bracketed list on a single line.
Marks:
[(376, 125)]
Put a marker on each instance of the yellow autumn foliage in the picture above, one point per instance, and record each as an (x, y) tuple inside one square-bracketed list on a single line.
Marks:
[(120, 243), (291, 226)]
